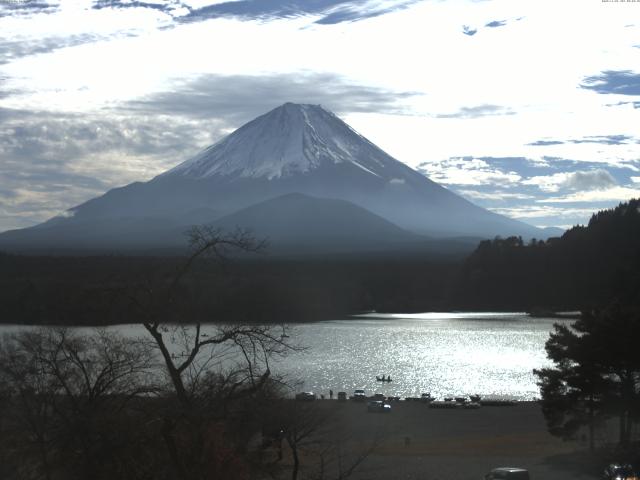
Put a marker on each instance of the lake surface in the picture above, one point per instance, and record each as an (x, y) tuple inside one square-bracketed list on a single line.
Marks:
[(446, 354), (492, 354)]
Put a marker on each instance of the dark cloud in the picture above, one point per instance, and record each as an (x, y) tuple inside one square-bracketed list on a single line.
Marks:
[(239, 98), (26, 7), (352, 14), (634, 104), (467, 30), (478, 111), (59, 138), (165, 7), (605, 139), (496, 23), (621, 82), (14, 49), (253, 9), (51, 162), (601, 139), (542, 143), (334, 11)]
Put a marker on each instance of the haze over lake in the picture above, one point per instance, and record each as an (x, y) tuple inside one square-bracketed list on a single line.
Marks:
[(446, 354)]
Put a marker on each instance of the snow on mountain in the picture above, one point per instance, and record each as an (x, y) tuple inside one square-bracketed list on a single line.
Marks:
[(286, 141), (301, 149)]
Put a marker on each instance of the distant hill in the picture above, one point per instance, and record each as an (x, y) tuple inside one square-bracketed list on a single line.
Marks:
[(298, 223), (587, 266)]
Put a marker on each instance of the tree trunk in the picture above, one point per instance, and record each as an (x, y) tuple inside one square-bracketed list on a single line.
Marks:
[(168, 427), (622, 424), (45, 458), (296, 459), (591, 425), (176, 378)]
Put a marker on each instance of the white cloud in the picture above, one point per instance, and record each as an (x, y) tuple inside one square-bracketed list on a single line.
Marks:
[(545, 212), (548, 183), (499, 196), (461, 171), (608, 195)]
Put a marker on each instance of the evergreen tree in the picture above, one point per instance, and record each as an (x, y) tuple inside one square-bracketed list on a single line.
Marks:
[(596, 373)]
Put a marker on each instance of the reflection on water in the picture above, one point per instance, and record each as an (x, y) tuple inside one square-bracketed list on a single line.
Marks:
[(446, 354)]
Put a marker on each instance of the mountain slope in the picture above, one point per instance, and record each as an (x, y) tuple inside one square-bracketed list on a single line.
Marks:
[(291, 149), (300, 223)]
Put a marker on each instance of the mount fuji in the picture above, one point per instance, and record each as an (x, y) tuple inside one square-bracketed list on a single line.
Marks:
[(300, 161)]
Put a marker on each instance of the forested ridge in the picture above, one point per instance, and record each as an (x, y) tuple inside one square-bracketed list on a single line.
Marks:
[(588, 266), (100, 290)]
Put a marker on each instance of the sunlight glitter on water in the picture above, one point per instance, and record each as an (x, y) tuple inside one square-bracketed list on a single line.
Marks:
[(442, 315), (444, 354)]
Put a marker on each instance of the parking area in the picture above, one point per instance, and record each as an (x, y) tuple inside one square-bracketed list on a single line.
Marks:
[(417, 442)]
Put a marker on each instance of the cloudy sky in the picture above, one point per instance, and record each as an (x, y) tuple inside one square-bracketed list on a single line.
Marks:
[(529, 108)]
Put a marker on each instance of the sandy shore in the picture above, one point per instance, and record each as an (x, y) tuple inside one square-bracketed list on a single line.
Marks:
[(417, 442)]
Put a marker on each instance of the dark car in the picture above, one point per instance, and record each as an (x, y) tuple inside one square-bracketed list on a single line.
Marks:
[(508, 473), (620, 471), (378, 406)]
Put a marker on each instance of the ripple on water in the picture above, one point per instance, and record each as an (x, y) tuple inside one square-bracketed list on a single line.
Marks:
[(445, 354)]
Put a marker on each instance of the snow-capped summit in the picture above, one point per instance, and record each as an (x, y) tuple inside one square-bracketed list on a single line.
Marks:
[(288, 140)]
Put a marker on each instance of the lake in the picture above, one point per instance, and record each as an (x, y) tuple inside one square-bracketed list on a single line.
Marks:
[(446, 354)]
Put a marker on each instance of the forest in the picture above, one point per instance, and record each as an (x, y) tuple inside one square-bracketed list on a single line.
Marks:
[(588, 266)]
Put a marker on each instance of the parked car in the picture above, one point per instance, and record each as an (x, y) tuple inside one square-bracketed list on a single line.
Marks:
[(620, 471), (306, 396), (378, 406), (342, 396), (508, 473), (426, 397), (359, 396)]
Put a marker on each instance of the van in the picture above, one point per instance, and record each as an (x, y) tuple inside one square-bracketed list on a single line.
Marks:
[(507, 473)]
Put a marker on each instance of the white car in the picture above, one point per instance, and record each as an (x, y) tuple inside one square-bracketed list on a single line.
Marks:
[(508, 473), (359, 396), (306, 396)]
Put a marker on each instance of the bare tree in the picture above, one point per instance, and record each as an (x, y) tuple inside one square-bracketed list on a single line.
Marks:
[(64, 389), (319, 445), (206, 363)]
